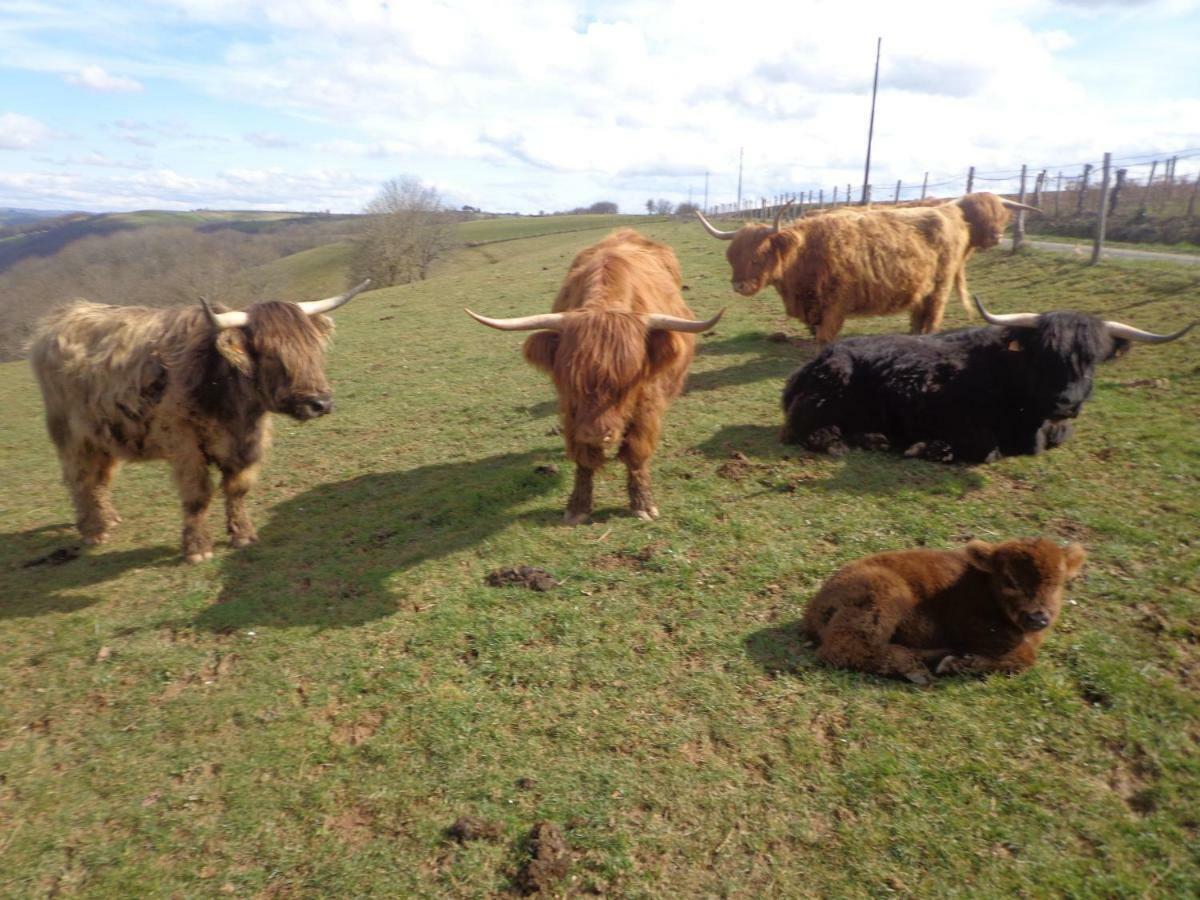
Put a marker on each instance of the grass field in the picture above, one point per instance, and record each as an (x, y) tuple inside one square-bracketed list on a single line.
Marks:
[(308, 716)]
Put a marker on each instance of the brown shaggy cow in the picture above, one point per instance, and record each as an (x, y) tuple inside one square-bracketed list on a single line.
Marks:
[(982, 608), (189, 386), (618, 344), (867, 262)]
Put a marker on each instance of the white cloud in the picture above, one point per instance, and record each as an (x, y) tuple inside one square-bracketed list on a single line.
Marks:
[(96, 78), (18, 132)]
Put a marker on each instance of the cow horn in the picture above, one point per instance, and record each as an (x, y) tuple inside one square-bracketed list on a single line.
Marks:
[(546, 321), (221, 321), (329, 304), (660, 322), (1121, 330), (1013, 204), (715, 232), (779, 215), (1018, 320)]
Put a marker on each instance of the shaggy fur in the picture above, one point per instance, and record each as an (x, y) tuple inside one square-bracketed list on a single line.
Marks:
[(132, 384), (983, 608), (971, 395), (853, 262), (615, 378)]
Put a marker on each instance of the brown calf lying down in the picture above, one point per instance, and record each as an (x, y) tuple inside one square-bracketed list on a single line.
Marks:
[(982, 608)]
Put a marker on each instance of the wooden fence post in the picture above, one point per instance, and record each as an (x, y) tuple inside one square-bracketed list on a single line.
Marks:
[(835, 187), (1087, 171), (1191, 213), (1057, 194), (924, 185), (821, 200), (1037, 188), (970, 179), (1100, 225), (1149, 183), (847, 195), (1116, 191), (1019, 225), (897, 199)]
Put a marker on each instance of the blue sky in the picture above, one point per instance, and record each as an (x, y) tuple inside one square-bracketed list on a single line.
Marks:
[(309, 104)]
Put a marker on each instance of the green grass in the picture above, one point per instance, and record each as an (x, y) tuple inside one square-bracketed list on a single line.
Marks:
[(306, 717), (511, 228), (320, 271)]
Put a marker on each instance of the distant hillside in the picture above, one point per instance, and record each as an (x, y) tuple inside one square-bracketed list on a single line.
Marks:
[(10, 215)]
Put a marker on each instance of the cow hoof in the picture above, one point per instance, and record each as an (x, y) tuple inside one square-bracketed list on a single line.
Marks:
[(921, 678), (915, 450), (244, 540), (575, 518), (195, 558), (953, 665), (92, 540), (649, 514)]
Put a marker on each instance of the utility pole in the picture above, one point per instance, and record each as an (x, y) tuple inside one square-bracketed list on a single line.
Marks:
[(871, 127)]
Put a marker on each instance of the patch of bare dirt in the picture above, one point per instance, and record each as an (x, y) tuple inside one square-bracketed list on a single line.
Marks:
[(1161, 384), (547, 469), (473, 828), (627, 559), (353, 825), (1132, 779), (351, 734), (521, 576), (1070, 530), (549, 859)]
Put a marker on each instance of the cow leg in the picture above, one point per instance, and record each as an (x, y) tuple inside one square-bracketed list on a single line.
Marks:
[(195, 491), (858, 635), (829, 326), (579, 506), (926, 316), (88, 473), (1016, 660), (641, 439), (236, 485)]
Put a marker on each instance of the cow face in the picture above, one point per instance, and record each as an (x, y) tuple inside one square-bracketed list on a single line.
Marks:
[(1027, 577), (282, 350), (755, 257), (1059, 359), (986, 217), (601, 363)]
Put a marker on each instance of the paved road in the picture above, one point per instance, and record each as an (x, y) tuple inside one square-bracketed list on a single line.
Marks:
[(1113, 252)]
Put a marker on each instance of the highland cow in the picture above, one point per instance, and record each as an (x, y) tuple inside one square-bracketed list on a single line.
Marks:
[(972, 395), (982, 608), (189, 386), (617, 344), (867, 262)]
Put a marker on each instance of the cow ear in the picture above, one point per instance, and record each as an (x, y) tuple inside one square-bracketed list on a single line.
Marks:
[(1014, 346), (324, 326), (1074, 557), (979, 555), (231, 344), (1120, 348), (662, 349), (540, 348), (779, 242)]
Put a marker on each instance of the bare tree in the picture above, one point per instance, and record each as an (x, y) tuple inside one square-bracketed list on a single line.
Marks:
[(663, 207), (407, 229)]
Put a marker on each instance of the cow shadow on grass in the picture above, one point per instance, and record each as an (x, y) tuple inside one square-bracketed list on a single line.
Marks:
[(41, 569), (326, 556), (772, 359), (859, 472)]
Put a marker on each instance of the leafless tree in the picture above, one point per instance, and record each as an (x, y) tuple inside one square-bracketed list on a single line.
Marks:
[(407, 229)]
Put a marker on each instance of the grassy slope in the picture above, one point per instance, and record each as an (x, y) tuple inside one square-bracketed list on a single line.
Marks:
[(305, 717)]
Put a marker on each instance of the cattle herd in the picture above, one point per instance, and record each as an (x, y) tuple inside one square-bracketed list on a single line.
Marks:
[(194, 387)]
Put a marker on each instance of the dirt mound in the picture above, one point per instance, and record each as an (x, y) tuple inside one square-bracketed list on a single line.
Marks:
[(522, 576), (549, 859)]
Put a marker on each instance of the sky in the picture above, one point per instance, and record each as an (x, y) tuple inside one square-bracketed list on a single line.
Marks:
[(544, 105)]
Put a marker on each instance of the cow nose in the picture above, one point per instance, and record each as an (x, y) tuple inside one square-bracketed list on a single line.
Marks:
[(319, 406), (1034, 621), (610, 437)]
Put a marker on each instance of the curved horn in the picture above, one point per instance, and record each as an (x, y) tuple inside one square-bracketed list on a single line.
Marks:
[(660, 322), (221, 321), (329, 304), (1013, 204), (1018, 320), (1121, 330), (779, 215), (547, 321), (715, 232)]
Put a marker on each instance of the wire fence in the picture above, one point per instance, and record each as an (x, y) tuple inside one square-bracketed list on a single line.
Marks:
[(1150, 196)]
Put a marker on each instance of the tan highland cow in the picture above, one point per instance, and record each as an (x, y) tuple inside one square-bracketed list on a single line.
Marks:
[(189, 386)]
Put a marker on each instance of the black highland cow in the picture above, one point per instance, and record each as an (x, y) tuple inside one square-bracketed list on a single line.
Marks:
[(971, 396)]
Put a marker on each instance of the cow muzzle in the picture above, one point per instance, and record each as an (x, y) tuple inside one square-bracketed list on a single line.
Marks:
[(745, 288), (1034, 621), (313, 407)]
